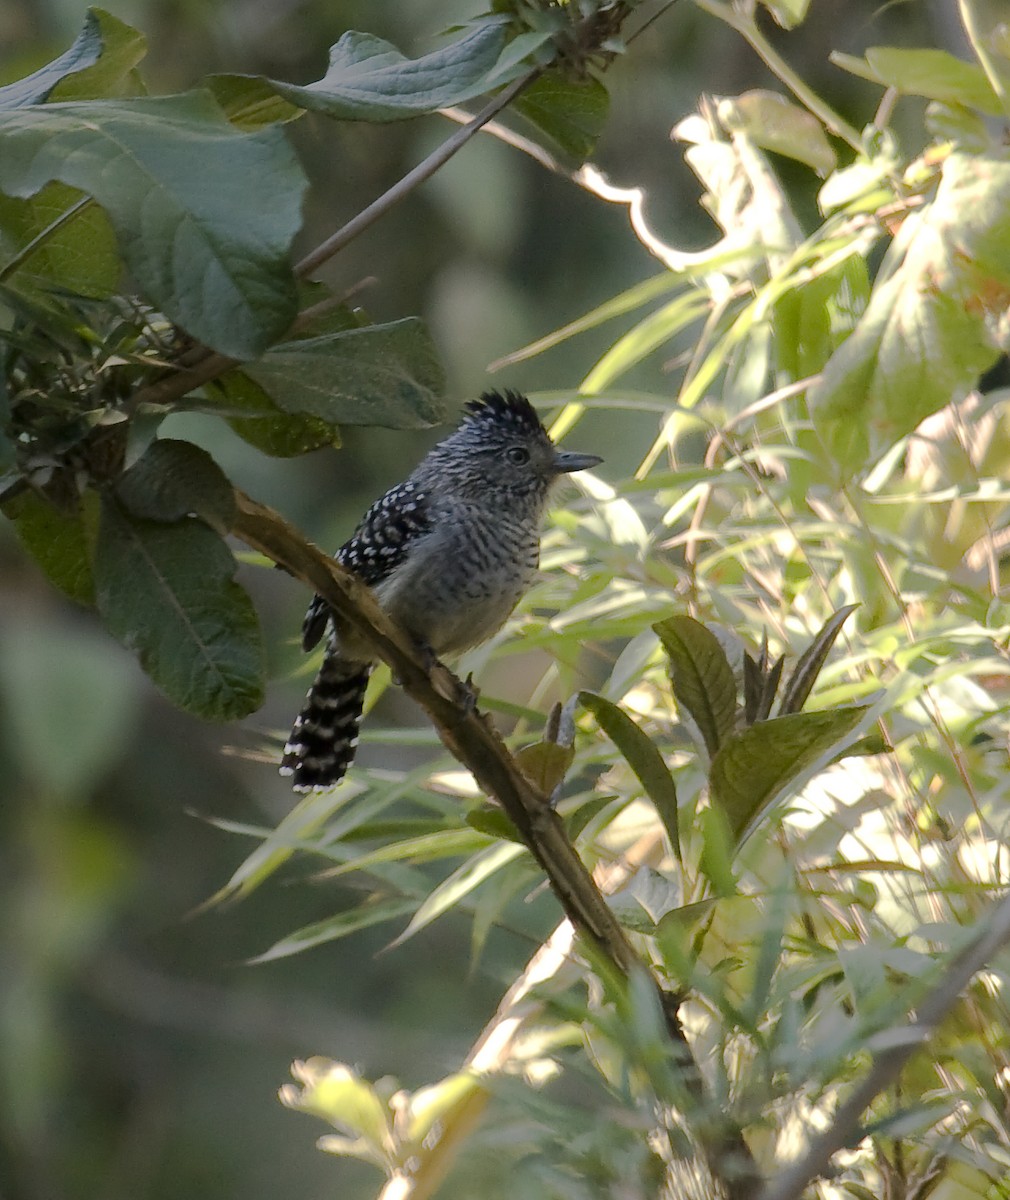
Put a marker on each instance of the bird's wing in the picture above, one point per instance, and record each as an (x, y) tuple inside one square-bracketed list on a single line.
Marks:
[(376, 548)]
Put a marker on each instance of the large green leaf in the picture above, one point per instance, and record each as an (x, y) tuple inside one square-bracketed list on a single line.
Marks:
[(102, 55), (703, 680), (571, 112), (171, 173), (643, 758), (166, 591), (924, 337), (368, 79), (755, 766), (378, 375), (61, 542)]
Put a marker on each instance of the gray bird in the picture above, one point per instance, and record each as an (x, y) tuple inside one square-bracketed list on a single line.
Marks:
[(449, 554)]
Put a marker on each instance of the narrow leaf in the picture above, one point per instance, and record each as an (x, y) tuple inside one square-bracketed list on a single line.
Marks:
[(331, 929), (804, 676), (703, 680), (755, 766), (644, 759), (167, 592), (450, 892)]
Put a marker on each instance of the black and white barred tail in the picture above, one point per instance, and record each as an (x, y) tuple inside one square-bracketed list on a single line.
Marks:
[(325, 734)]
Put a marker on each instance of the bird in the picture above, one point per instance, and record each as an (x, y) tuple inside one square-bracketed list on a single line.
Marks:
[(449, 553)]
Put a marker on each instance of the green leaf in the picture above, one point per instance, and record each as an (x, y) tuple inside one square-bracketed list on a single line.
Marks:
[(934, 74), (460, 884), (62, 543), (368, 79), (295, 830), (545, 764), (339, 1095), (171, 173), (385, 375), (175, 478), (787, 13), (103, 36), (773, 123), (428, 847), (923, 338), (114, 72), (643, 758), (331, 929), (571, 112), (167, 592), (755, 766), (266, 426), (250, 102), (801, 682), (703, 680), (69, 705), (59, 242)]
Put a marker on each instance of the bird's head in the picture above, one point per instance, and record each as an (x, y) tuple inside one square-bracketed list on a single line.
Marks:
[(501, 449)]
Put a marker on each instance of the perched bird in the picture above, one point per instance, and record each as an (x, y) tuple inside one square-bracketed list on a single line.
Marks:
[(449, 553)]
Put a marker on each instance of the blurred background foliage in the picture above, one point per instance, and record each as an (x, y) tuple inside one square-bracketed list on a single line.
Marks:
[(140, 1052)]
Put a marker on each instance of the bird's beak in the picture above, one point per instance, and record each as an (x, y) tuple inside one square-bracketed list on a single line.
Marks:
[(566, 461)]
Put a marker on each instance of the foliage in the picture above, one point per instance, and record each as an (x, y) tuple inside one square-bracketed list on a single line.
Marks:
[(800, 839)]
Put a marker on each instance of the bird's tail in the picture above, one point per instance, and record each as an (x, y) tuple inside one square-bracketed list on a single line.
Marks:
[(325, 735)]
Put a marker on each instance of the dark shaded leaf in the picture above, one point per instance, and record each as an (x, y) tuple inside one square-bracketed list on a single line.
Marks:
[(643, 758), (166, 591), (171, 173), (62, 543), (703, 680), (368, 79), (755, 766), (571, 112), (804, 676), (377, 375), (174, 479)]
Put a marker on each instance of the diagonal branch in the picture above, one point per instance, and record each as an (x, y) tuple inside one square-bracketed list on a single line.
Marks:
[(472, 739)]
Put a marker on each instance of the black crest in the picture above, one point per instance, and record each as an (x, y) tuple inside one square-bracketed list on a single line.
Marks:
[(504, 409)]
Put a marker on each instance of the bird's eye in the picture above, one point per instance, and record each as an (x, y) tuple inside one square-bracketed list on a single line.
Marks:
[(517, 455)]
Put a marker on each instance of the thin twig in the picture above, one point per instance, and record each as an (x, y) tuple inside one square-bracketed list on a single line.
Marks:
[(423, 171)]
